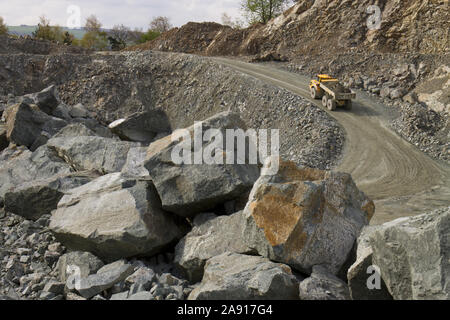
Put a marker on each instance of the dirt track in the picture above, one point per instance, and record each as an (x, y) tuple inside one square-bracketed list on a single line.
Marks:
[(395, 174)]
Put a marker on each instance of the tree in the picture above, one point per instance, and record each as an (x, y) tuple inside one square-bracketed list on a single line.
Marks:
[(94, 38), (119, 36), (92, 24), (45, 31), (160, 24), (3, 27), (68, 38), (228, 21), (263, 10), (149, 36)]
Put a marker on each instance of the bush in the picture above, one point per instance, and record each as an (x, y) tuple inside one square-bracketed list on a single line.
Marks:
[(3, 27), (149, 35)]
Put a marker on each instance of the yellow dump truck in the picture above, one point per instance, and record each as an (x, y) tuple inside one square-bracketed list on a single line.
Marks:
[(332, 92)]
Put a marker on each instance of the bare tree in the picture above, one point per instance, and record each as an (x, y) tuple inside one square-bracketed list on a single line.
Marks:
[(160, 24), (121, 33), (92, 24)]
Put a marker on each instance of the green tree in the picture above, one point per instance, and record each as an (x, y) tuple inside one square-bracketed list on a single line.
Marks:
[(3, 27), (45, 31), (149, 36), (95, 37), (263, 10)]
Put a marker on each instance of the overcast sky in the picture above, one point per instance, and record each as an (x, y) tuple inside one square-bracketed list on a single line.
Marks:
[(133, 13)]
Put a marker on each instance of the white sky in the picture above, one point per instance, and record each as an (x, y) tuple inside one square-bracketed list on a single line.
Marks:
[(132, 13)]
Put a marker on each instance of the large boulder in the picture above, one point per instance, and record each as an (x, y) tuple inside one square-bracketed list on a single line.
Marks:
[(210, 237), (114, 216), (75, 130), (19, 166), (92, 152), (305, 217), (361, 272), (323, 285), (142, 126), (413, 255), (28, 126), (232, 276), (134, 165), (47, 100), (33, 199), (188, 189), (95, 126)]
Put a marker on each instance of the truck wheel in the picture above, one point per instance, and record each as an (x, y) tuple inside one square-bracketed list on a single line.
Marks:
[(331, 104), (349, 105), (324, 101), (314, 93)]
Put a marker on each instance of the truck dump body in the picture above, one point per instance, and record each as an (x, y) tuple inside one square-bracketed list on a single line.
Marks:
[(332, 92)]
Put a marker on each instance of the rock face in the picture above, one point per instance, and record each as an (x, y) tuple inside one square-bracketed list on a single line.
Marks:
[(232, 276), (210, 237), (322, 285), (305, 217), (142, 127), (297, 28), (25, 124), (114, 216), (33, 199), (92, 153), (188, 189), (413, 255), (359, 273)]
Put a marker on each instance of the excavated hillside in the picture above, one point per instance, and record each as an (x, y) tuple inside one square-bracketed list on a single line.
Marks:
[(405, 62), (310, 27)]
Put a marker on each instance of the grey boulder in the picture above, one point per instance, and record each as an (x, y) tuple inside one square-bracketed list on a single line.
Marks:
[(33, 199), (28, 126), (142, 126), (19, 166), (78, 111), (233, 276), (83, 263), (413, 255), (96, 283), (134, 165), (94, 153), (189, 189), (360, 275), (114, 216), (143, 295), (47, 99), (323, 285), (211, 236)]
